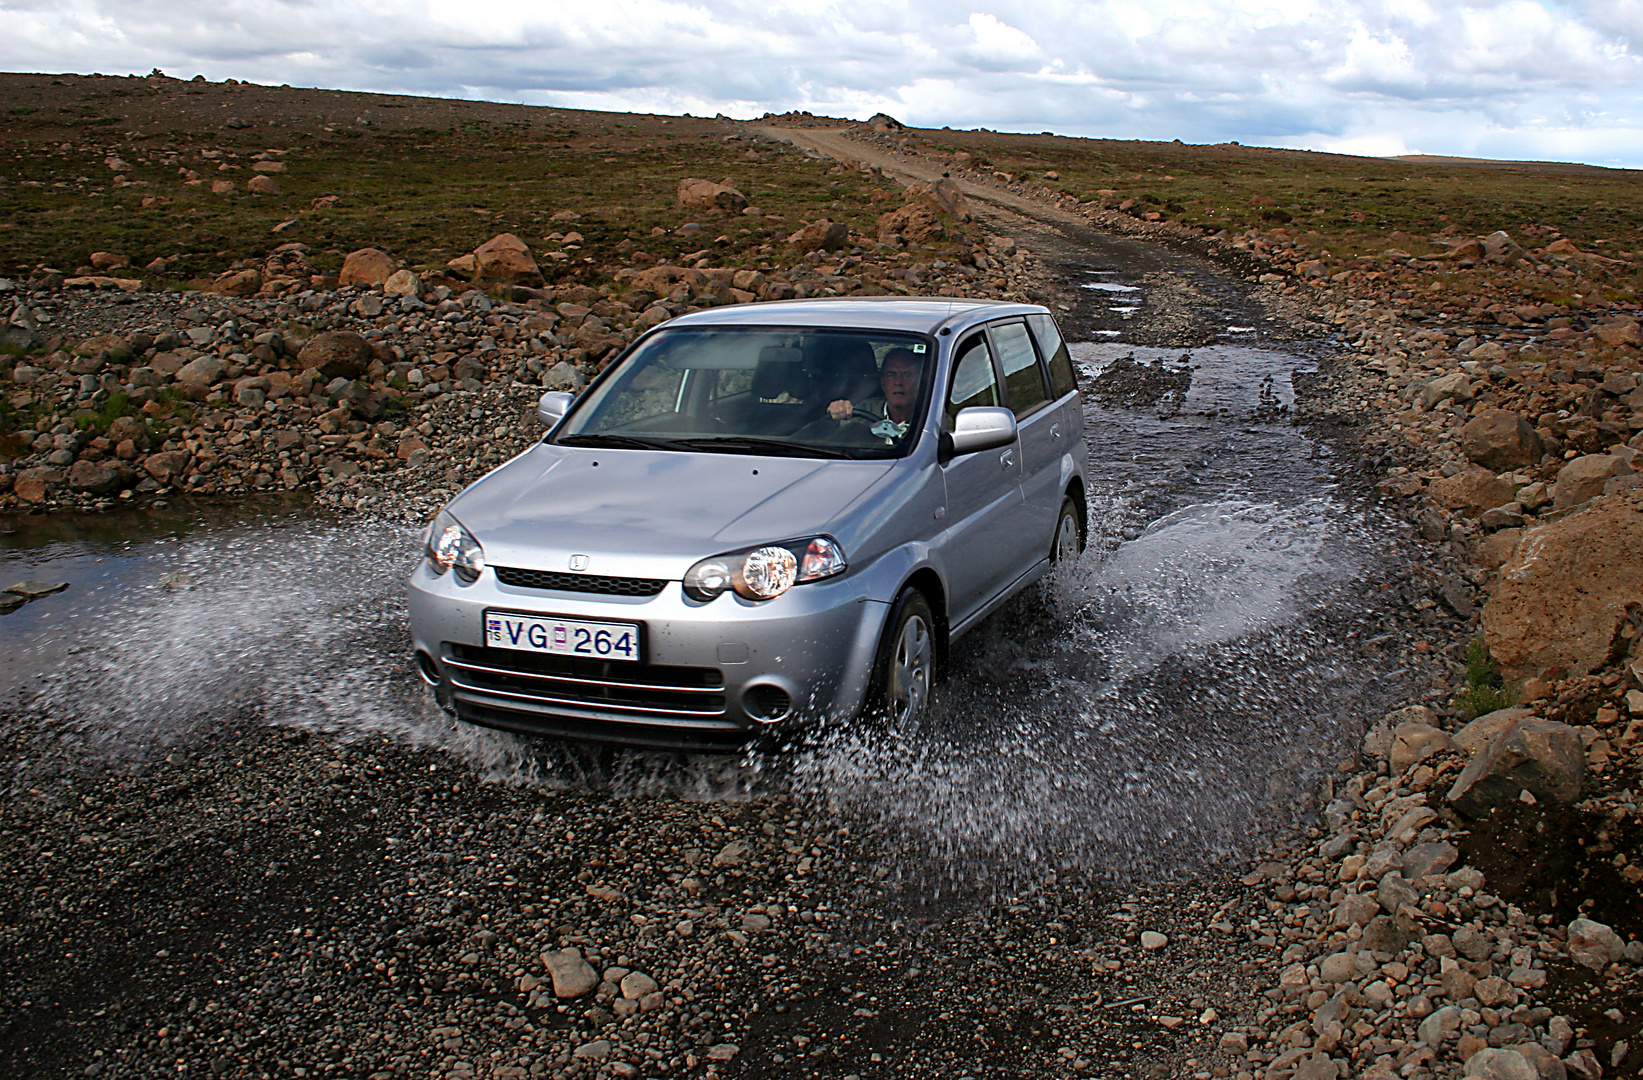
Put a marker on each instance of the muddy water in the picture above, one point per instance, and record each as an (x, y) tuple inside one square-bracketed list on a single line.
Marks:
[(1155, 709)]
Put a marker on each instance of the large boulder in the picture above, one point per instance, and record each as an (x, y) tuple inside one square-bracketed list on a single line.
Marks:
[(336, 354), (706, 195), (96, 477), (1542, 757), (367, 266), (821, 235), (166, 466), (914, 223), (1563, 596), (505, 260), (1499, 439), (1471, 492), (1584, 477), (1594, 945), (943, 196)]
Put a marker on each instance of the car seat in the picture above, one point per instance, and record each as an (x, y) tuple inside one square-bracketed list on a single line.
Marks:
[(779, 391), (840, 366)]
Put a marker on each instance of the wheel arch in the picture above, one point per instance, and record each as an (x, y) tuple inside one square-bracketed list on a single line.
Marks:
[(927, 581)]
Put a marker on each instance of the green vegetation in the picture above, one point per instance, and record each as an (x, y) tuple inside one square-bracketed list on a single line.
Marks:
[(1485, 689), (1353, 203)]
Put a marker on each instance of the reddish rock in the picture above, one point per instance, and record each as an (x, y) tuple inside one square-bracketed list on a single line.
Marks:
[(706, 195), (95, 477), (238, 283), (1470, 493), (107, 260), (1499, 440), (505, 260), (262, 185), (166, 466), (821, 235), (367, 266), (222, 187), (1620, 332), (915, 223), (1584, 477), (1538, 756), (1565, 593), (943, 197), (324, 202), (336, 354), (402, 283)]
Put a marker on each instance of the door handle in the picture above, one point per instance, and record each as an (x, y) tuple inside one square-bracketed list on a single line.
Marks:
[(1055, 431), (1007, 458)]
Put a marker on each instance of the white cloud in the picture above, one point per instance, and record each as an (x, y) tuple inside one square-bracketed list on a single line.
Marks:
[(1515, 78)]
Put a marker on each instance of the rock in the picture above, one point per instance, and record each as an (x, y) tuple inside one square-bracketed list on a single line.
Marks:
[(636, 984), (706, 195), (262, 185), (1498, 1063), (1413, 742), (1584, 477), (1455, 385), (34, 589), (1500, 440), (915, 223), (597, 1050), (822, 235), (1394, 892), (732, 854), (1545, 1062), (562, 376), (1425, 860), (723, 1052), (1439, 1026), (237, 283), (201, 371), (1583, 1065), (1541, 757), (108, 260), (1152, 940), (336, 354), (1317, 1067), (1473, 944), (1478, 734), (222, 187), (167, 465), (1594, 945), (572, 975), (463, 264), (1501, 248), (367, 266), (95, 477), (1356, 909), (1471, 492), (505, 260), (1495, 992), (1383, 935), (402, 283), (1620, 331), (1563, 597)]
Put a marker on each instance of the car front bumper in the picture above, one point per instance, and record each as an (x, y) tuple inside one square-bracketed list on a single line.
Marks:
[(711, 677)]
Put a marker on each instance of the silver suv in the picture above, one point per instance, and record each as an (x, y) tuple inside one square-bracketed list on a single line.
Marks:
[(759, 517)]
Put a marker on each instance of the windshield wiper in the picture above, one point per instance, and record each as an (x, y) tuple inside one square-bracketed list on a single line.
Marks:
[(621, 442), (731, 444)]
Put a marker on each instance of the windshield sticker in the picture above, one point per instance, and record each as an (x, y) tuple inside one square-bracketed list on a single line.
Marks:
[(919, 348)]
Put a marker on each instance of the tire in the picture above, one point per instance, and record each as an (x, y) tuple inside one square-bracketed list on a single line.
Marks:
[(1067, 544), (904, 672)]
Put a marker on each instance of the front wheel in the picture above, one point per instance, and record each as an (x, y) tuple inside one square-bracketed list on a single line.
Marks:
[(905, 669), (1068, 543)]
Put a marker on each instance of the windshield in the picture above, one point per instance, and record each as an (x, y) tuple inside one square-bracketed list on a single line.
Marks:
[(762, 390)]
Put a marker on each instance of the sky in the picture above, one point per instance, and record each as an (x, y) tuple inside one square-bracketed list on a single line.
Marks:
[(1493, 78)]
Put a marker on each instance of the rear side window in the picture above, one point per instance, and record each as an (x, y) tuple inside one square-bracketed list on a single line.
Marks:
[(1054, 351), (1023, 378), (974, 383)]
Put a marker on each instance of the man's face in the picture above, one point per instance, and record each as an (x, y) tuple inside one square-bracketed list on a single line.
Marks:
[(899, 379)]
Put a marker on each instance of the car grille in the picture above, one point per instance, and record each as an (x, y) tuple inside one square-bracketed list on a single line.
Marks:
[(588, 583), (528, 682)]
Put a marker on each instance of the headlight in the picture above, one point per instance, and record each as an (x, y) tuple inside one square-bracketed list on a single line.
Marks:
[(452, 547), (765, 572)]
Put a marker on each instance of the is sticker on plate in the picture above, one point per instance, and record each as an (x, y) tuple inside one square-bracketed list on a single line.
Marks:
[(562, 637)]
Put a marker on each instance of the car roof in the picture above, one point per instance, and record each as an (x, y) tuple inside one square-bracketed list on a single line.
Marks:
[(921, 315)]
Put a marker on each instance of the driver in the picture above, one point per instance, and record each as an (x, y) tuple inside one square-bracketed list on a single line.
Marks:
[(899, 380)]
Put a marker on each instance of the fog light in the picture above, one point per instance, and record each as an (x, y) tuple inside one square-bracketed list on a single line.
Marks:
[(767, 704)]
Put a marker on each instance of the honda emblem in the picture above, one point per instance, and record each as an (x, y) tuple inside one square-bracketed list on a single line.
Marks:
[(578, 562)]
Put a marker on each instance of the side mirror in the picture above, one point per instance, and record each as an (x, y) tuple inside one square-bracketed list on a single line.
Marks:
[(552, 407), (980, 428)]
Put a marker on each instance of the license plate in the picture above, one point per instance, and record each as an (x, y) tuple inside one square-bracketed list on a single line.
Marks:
[(562, 637)]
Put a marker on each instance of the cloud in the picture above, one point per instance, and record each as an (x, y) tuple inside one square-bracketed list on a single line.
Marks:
[(1514, 78)]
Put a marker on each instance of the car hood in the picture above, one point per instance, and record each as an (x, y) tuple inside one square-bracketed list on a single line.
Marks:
[(652, 513)]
